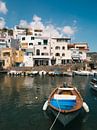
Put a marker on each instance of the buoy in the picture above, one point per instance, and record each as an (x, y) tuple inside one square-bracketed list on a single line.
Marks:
[(45, 105), (85, 106), (36, 97)]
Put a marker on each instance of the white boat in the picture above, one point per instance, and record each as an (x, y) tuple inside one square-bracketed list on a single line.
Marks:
[(42, 72), (65, 103), (12, 72), (67, 73), (94, 71), (51, 73), (34, 73), (93, 84), (83, 73)]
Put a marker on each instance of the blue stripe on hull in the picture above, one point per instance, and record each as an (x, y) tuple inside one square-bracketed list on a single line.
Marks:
[(63, 104)]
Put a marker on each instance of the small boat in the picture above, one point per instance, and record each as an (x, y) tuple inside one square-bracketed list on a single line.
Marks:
[(65, 99), (66, 103), (41, 73), (58, 73), (93, 84), (51, 73), (33, 73), (67, 74), (83, 73), (12, 72)]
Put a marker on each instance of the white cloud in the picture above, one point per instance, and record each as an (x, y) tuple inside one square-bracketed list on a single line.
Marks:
[(69, 30), (2, 23), (48, 28), (36, 18), (36, 23), (23, 24), (51, 31), (3, 8)]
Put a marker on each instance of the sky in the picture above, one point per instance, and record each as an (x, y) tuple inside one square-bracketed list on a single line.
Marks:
[(74, 18)]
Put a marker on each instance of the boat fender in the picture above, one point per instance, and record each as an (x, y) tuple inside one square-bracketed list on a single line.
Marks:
[(85, 106), (45, 105)]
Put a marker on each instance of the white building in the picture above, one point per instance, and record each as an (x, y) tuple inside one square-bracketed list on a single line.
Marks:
[(60, 51), (18, 31), (5, 40), (37, 50), (83, 49), (41, 50)]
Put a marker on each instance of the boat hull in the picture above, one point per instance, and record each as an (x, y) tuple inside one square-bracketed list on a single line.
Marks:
[(93, 84), (65, 118), (93, 87)]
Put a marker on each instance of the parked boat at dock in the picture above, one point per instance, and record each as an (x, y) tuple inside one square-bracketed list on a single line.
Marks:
[(93, 84), (42, 72), (67, 74), (83, 73)]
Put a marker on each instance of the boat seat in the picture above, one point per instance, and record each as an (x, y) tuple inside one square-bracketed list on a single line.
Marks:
[(64, 97), (66, 88)]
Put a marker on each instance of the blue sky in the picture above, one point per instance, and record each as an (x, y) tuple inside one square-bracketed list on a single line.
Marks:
[(80, 16)]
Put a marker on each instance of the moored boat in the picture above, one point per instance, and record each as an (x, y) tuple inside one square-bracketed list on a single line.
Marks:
[(83, 73), (65, 99), (67, 74), (66, 103), (51, 73), (41, 73), (93, 84)]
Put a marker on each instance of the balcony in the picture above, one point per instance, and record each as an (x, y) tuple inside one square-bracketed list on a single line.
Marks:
[(75, 56)]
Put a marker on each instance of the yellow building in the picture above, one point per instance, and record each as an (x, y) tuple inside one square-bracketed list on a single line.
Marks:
[(7, 58), (18, 57), (11, 57)]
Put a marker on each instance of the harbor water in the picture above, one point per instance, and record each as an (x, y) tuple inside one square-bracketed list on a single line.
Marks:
[(22, 99)]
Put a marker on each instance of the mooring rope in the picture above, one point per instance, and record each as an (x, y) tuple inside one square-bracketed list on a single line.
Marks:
[(56, 116)]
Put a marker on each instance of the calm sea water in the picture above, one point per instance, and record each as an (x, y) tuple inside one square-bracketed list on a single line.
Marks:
[(22, 99)]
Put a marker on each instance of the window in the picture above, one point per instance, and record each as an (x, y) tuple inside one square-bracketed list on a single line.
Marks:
[(68, 61), (35, 34), (80, 52), (23, 38), (39, 43), (57, 48), (63, 54), (62, 61), (30, 44), (2, 40), (37, 52), (8, 40), (42, 54), (74, 52), (63, 47), (57, 54), (32, 38), (44, 47), (46, 54), (45, 42)]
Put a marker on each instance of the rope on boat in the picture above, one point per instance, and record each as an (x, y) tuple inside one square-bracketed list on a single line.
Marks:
[(56, 117), (55, 120)]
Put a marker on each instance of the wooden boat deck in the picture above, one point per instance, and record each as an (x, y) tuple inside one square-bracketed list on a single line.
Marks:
[(79, 100)]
